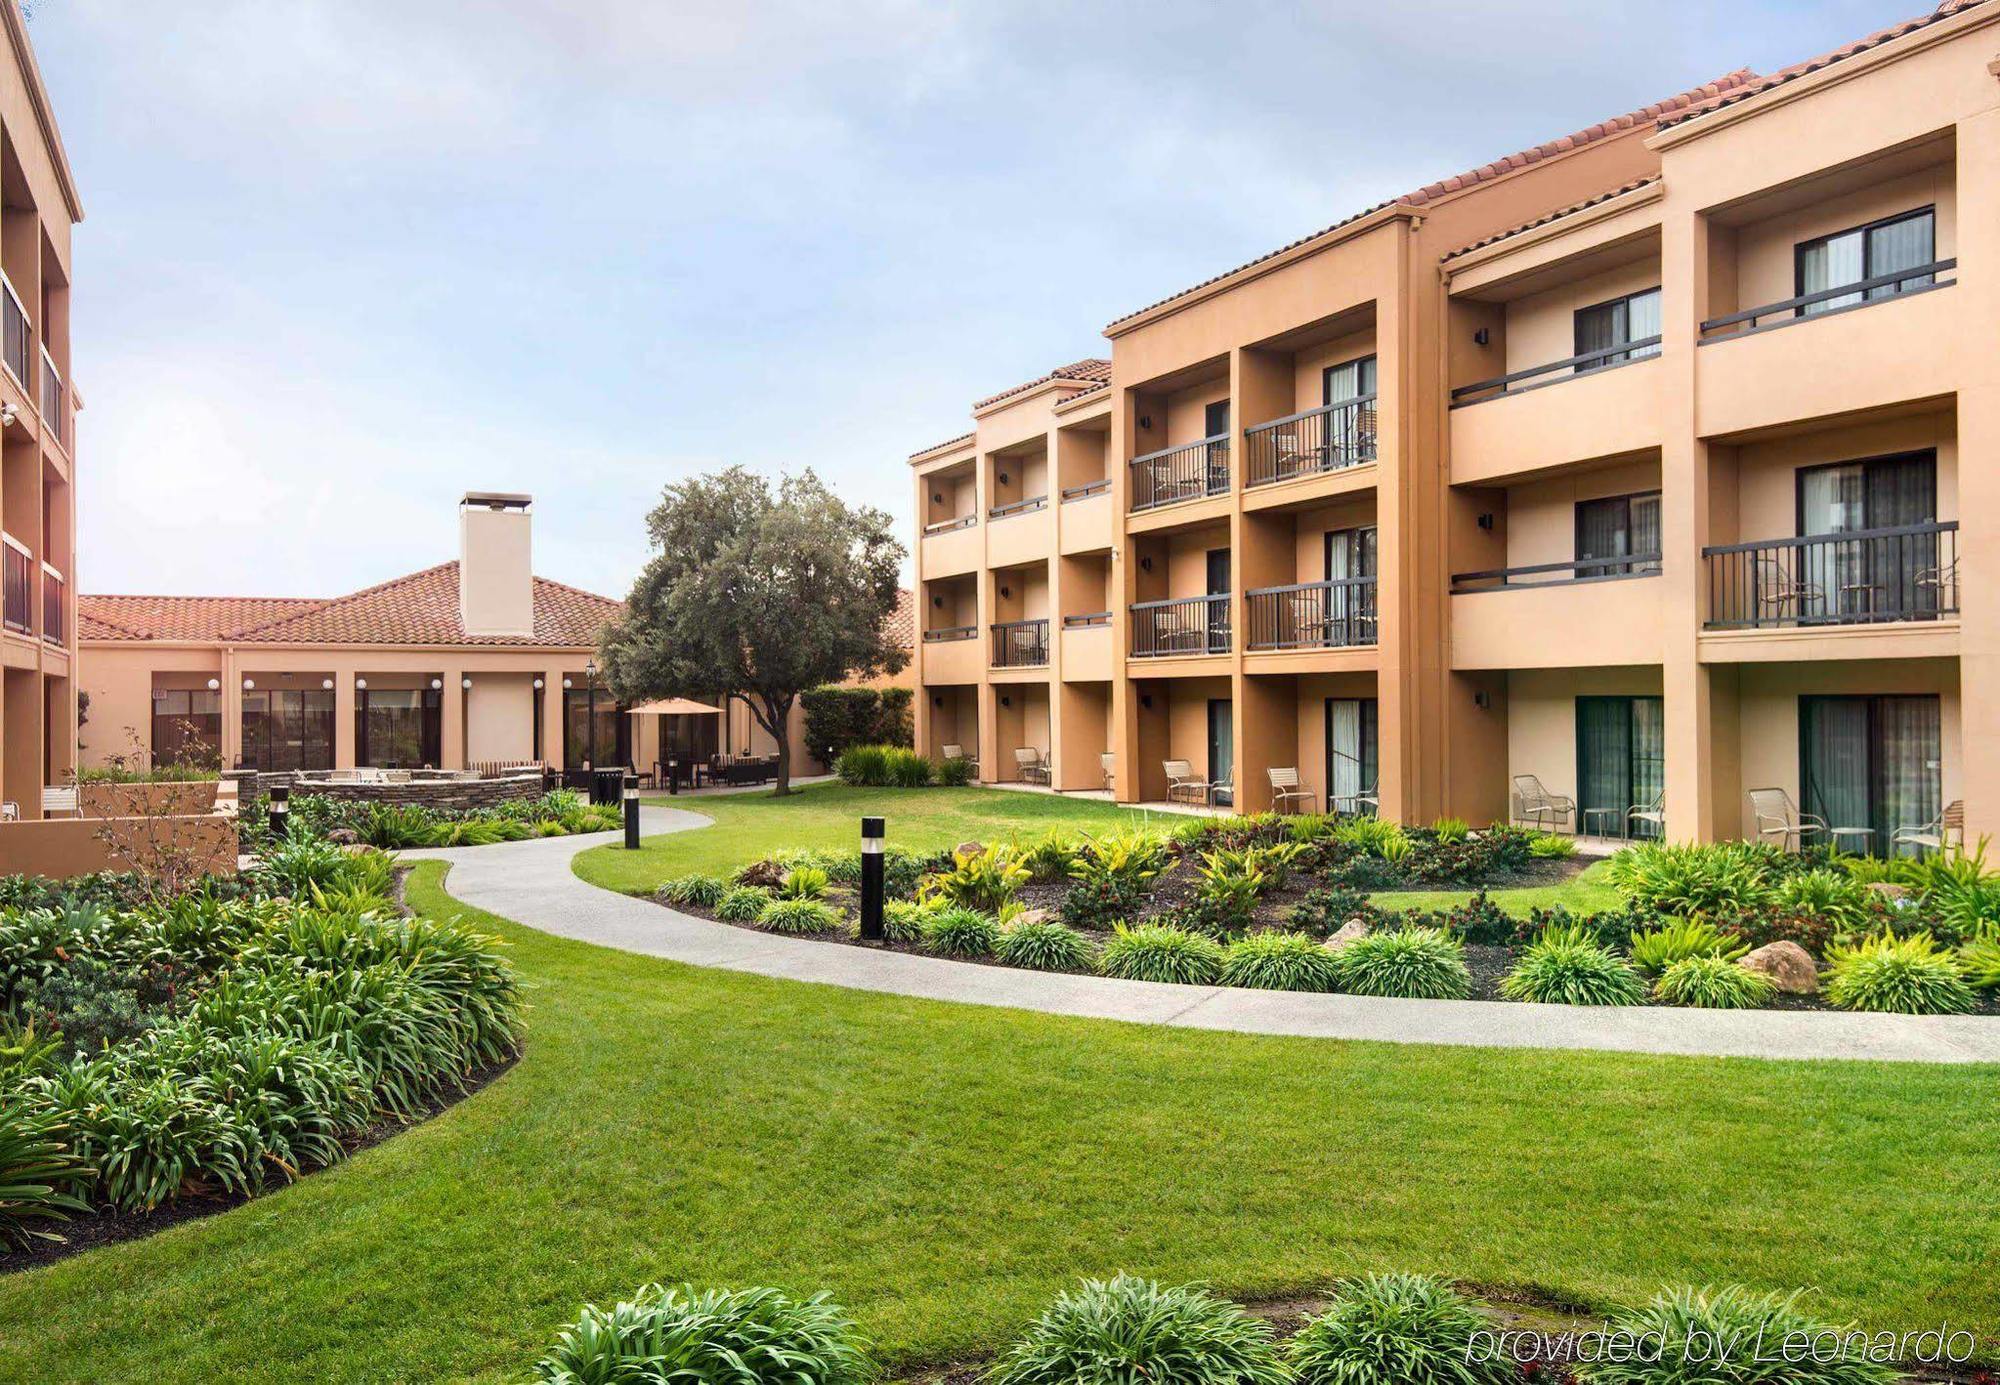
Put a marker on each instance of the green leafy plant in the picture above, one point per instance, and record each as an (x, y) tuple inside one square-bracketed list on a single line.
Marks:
[(1728, 1336), (1376, 836), (1654, 950), (1279, 962), (1451, 829), (1154, 952), (1964, 894), (1045, 945), (1565, 967), (958, 931), (903, 920), (1049, 857), (1396, 1329), (709, 1337), (1110, 877), (984, 879), (1833, 894), (1905, 976), (1711, 981), (741, 904), (699, 891), (1979, 959), (1551, 846), (1327, 910), (1129, 1330), (803, 882), (953, 773), (39, 1178), (1409, 963), (1694, 879), (798, 917)]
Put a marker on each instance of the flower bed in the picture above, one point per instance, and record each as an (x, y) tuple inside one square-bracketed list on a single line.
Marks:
[(159, 1053), (404, 826), (1308, 903)]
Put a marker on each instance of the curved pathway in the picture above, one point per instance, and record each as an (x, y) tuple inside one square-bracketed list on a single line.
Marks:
[(531, 883)]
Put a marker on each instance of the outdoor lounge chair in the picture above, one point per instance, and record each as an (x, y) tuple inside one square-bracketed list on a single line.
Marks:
[(1223, 790), (1654, 813), (957, 752), (1033, 768), (61, 800), (1535, 804), (1782, 594), (1777, 816), (1182, 786), (1946, 829), (1109, 764), (1286, 794)]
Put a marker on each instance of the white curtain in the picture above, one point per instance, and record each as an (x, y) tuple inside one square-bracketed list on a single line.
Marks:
[(1828, 264), (1345, 721)]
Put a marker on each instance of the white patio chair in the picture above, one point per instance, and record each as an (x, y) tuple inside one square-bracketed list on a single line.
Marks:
[(1946, 829), (1777, 816), (1109, 764), (1653, 813), (1537, 805), (1287, 794), (957, 752), (1223, 790), (60, 800), (1182, 786), (1032, 767)]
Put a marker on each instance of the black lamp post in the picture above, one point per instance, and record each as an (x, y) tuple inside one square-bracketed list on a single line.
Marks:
[(281, 808), (872, 831), (631, 812)]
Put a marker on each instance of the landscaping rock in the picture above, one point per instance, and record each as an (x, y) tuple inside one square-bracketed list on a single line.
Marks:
[(1787, 964), (1035, 916), (1891, 892), (969, 848), (1352, 931)]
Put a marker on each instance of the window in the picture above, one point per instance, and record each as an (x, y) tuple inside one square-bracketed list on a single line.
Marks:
[(1353, 753), (1221, 751), (1869, 577), (593, 729), (1347, 381), (187, 727), (288, 729), (398, 728), (1215, 424), (1870, 762), (14, 334), (1621, 760), (1615, 527), (1603, 326), (1866, 252), (1350, 610), (1350, 431)]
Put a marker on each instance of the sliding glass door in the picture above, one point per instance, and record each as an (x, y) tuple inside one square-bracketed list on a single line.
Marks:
[(1602, 326), (288, 729), (1621, 761), (1221, 749), (1350, 611), (1353, 752), (1866, 252), (1871, 762), (1619, 526), (1862, 579)]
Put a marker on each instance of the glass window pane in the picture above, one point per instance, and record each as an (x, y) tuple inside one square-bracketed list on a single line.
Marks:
[(1901, 245), (1827, 264), (1643, 320)]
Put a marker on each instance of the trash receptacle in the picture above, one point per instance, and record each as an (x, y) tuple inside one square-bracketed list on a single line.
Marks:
[(607, 785)]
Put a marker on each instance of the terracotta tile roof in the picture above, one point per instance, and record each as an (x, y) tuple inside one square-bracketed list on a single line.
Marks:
[(1494, 239), (902, 622), (1088, 390), (420, 609), (1703, 96), (948, 442), (1758, 85), (1089, 368)]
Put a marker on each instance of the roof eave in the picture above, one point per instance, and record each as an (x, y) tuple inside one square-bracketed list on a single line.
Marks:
[(45, 118)]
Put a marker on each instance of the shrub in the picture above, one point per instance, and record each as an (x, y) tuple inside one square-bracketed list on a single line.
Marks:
[(1409, 963), (863, 766), (1654, 950), (1711, 981), (1567, 968), (798, 917), (906, 769), (38, 1177), (741, 904), (983, 879), (1111, 876), (952, 774), (1225, 897), (1451, 829), (1694, 1327), (1395, 1329), (700, 891), (903, 920), (1279, 962), (1760, 925), (1045, 945), (1478, 920), (1695, 879), (298, 862), (837, 717), (93, 1003), (1373, 835), (1051, 854), (1833, 894), (709, 1337), (1905, 976), (1551, 846), (1956, 886), (1327, 910), (1979, 959), (957, 931), (1154, 952), (803, 882), (1130, 1329)]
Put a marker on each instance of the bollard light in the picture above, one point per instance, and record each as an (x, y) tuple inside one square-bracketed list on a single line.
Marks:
[(631, 812), (281, 809), (872, 832)]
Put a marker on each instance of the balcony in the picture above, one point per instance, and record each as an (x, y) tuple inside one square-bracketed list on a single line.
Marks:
[(15, 335), (1867, 577), (1590, 613), (946, 634), (1087, 647), (1338, 614), (1515, 425), (1019, 507), (1329, 438), (1021, 644), (55, 416), (1175, 474), (52, 605), (1185, 627), (951, 547), (1084, 523), (17, 583)]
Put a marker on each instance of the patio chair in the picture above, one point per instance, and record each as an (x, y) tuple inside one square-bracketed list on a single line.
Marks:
[(1182, 786), (60, 800), (1537, 805), (1946, 829), (1777, 816), (1286, 794), (1653, 813), (1779, 587), (1223, 790), (10, 811), (957, 752), (1109, 764), (1032, 767)]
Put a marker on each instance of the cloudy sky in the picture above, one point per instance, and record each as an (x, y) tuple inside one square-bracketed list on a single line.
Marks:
[(345, 259)]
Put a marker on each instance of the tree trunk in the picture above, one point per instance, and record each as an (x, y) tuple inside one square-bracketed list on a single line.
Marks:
[(776, 716)]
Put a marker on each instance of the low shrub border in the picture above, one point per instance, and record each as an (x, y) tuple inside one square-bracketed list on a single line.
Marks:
[(406, 826)]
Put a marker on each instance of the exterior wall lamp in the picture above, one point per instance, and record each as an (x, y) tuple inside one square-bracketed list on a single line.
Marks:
[(436, 683), (538, 685), (326, 684), (465, 683), (249, 684), (361, 684), (214, 683), (568, 683)]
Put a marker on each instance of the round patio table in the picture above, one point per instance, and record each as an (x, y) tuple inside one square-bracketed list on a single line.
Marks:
[(1867, 834)]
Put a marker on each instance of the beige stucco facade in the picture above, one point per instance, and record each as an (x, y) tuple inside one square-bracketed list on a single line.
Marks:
[(1591, 343)]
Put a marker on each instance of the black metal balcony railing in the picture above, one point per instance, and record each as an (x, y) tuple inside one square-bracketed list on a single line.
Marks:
[(950, 632), (1187, 626), (52, 605), (1087, 620), (945, 526), (1568, 368), (1020, 643), (1187, 472), (1557, 574), (55, 417), (1328, 438), (1879, 289), (1866, 577), (1339, 614), (1018, 507), (17, 587), (15, 336), (1086, 490)]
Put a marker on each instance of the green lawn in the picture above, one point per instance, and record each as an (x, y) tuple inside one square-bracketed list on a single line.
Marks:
[(943, 1169)]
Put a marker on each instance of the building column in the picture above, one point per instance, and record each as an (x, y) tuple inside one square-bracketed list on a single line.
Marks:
[(552, 718), (1978, 291), (1120, 592), (229, 690), (343, 716), (451, 732)]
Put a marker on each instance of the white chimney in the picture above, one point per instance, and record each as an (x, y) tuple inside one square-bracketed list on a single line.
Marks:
[(496, 577)]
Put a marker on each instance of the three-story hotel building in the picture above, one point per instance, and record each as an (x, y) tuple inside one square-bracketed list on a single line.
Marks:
[(1625, 469)]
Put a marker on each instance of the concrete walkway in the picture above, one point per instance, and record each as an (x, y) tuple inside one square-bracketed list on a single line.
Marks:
[(531, 883)]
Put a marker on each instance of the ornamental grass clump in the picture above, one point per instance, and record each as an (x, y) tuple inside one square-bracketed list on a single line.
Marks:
[(1154, 952), (1904, 976), (1129, 1330), (1045, 945), (741, 904), (700, 891), (1712, 982), (1731, 1336), (1396, 1329), (1656, 949), (984, 879), (1408, 964), (1551, 846), (1564, 967), (903, 920), (38, 1174), (1979, 959), (798, 918), (709, 1337), (803, 882), (1691, 879), (956, 931), (1280, 962)]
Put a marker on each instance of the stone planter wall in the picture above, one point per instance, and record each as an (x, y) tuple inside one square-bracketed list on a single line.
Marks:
[(448, 795)]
